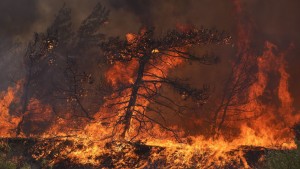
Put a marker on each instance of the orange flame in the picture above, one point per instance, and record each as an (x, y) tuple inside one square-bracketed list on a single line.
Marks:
[(8, 122), (270, 112)]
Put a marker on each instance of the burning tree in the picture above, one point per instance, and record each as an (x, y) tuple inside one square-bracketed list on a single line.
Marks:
[(60, 71), (39, 57), (80, 79), (35, 64), (234, 104), (52, 73), (149, 59)]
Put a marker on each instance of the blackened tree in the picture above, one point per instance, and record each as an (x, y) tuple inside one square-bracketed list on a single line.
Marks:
[(80, 87), (234, 101), (153, 56), (35, 60), (88, 33), (52, 72), (39, 57)]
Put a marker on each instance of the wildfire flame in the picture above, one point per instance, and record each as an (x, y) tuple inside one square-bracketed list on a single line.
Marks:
[(269, 117), (8, 122)]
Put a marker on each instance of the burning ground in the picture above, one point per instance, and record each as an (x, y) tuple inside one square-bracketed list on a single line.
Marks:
[(190, 97)]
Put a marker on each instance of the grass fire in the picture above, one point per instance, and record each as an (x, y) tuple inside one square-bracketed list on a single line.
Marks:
[(158, 84)]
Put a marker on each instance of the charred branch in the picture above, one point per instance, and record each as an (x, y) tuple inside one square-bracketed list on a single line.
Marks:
[(149, 51)]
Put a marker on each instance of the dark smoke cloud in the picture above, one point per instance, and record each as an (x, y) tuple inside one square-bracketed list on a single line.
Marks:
[(276, 20), (142, 9), (166, 14), (16, 17), (22, 17)]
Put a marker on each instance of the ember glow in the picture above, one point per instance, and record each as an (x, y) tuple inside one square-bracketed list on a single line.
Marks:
[(254, 113)]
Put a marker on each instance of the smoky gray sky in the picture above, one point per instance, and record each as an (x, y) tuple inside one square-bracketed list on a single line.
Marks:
[(275, 20), (20, 18), (278, 20)]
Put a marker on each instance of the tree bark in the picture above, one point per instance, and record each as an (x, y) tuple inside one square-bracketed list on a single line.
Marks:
[(25, 100), (133, 96)]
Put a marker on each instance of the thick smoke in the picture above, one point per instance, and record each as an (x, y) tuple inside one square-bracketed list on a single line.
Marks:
[(277, 21), (17, 17)]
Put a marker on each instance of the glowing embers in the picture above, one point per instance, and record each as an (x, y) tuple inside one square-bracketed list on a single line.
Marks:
[(159, 153)]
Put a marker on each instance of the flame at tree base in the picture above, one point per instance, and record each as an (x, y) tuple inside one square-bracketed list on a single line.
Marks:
[(76, 153), (265, 124), (271, 130)]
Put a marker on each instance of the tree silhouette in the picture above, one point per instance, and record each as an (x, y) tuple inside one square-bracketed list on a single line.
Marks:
[(52, 73), (152, 57), (39, 57), (234, 100)]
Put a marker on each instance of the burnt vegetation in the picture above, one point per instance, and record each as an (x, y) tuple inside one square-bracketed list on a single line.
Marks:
[(53, 71), (82, 77), (152, 55), (62, 70)]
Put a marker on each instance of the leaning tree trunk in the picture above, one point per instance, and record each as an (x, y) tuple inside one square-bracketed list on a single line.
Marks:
[(133, 96), (24, 100), (222, 107)]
